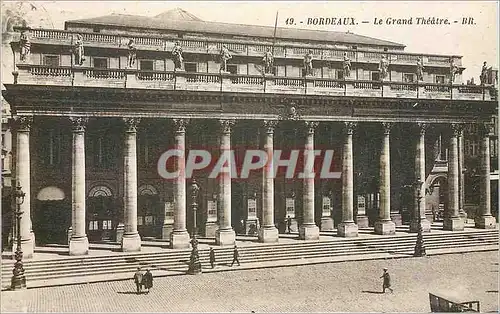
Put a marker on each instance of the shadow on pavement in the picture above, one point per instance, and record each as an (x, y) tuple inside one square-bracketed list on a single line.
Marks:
[(374, 292)]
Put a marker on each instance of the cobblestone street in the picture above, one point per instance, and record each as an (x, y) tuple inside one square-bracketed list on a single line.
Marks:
[(346, 287)]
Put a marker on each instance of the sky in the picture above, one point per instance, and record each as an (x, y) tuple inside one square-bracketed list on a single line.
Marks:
[(476, 43)]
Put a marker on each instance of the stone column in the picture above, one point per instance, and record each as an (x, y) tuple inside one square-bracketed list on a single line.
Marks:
[(268, 232), (452, 220), (23, 127), (384, 225), (308, 230), (225, 235), (179, 238), (78, 243), (485, 220), (461, 195), (131, 240), (420, 175), (348, 228)]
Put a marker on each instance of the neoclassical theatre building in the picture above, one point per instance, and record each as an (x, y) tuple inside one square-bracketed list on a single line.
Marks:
[(95, 105)]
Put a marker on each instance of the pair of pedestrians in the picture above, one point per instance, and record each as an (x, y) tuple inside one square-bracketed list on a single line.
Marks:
[(236, 256), (141, 280)]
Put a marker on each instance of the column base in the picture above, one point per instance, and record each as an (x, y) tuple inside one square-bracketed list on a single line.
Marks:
[(485, 222), (131, 242), (211, 229), (268, 235), (362, 221), (327, 224), (166, 231), (120, 230), (426, 225), (385, 227), (27, 247), (453, 224), (347, 229), (309, 232), (397, 219), (179, 240), (225, 237), (79, 246)]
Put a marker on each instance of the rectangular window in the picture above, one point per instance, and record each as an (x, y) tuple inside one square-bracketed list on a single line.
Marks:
[(375, 76), (139, 220), (408, 78), (51, 61), (50, 147), (146, 65), (149, 220), (100, 63), (190, 67), (93, 225), (232, 68), (439, 79), (340, 75)]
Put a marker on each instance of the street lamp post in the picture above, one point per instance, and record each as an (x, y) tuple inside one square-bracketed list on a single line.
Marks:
[(420, 245), (18, 280), (194, 260)]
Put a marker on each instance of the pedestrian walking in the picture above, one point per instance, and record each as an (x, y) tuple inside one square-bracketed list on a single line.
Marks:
[(147, 280), (387, 281), (289, 224), (212, 257), (138, 280), (236, 254)]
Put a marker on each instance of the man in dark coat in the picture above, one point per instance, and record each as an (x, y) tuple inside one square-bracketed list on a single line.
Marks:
[(289, 224), (212, 257), (138, 280), (236, 254), (387, 281), (147, 280)]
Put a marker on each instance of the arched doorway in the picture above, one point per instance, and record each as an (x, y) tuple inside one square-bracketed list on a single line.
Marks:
[(149, 212), (51, 217), (437, 197), (101, 214)]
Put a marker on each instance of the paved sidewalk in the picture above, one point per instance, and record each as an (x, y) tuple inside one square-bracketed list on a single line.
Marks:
[(333, 287)]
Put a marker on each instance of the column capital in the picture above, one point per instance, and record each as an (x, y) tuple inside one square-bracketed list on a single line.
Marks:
[(270, 125), (387, 126), (350, 127), (485, 129), (457, 129), (226, 125), (79, 123), (180, 125), (311, 126), (23, 123), (422, 127), (131, 124)]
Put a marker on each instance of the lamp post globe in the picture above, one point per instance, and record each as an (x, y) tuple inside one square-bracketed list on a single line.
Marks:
[(18, 280)]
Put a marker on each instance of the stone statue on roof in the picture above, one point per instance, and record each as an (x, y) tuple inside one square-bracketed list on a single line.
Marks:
[(484, 74), (420, 70), (132, 53), (177, 54), (224, 56), (308, 66), (268, 61), (383, 67), (454, 69), (78, 50), (346, 65), (24, 46)]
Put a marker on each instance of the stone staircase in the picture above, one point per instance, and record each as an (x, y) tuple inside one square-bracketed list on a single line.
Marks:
[(120, 266)]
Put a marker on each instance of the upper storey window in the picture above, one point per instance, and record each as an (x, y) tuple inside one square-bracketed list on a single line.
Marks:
[(146, 65), (408, 78), (232, 68), (51, 61), (190, 67), (439, 79), (101, 63)]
